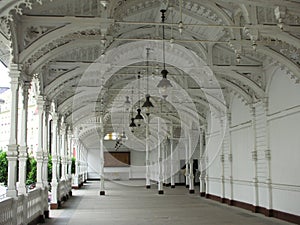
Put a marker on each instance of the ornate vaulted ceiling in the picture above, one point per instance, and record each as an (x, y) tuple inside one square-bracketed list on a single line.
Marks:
[(87, 54)]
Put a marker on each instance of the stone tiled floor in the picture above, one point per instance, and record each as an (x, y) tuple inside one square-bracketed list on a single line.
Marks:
[(130, 203)]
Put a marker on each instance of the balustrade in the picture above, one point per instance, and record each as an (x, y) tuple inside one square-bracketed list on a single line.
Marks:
[(23, 209)]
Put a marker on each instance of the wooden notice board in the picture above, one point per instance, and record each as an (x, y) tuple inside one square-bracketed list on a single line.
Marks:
[(116, 159)]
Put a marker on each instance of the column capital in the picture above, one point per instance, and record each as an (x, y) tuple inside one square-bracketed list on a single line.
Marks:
[(70, 132), (12, 150), (268, 154), (55, 118), (222, 158), (14, 72), (254, 155), (40, 102), (63, 128), (26, 85), (230, 157)]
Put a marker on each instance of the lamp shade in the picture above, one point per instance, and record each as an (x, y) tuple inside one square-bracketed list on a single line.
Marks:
[(164, 84), (132, 124), (127, 103), (139, 115), (147, 105)]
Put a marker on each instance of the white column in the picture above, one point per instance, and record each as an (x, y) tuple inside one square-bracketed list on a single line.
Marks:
[(63, 152), (228, 135), (69, 159), (163, 164), (262, 157), (191, 175), (202, 163), (167, 162), (45, 158), (39, 153), (84, 154), (79, 163), (78, 155), (12, 153), (45, 146), (222, 161), (54, 183), (186, 161), (70, 152), (254, 158), (159, 155), (148, 184), (23, 141), (76, 146), (102, 188), (207, 167), (58, 150), (268, 163), (172, 158)]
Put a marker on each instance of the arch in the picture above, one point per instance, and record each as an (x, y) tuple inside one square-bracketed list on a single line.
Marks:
[(237, 90), (291, 66), (235, 75), (58, 51)]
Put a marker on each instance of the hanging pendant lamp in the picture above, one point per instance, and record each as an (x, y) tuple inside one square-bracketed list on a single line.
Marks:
[(164, 84), (139, 116), (147, 104), (132, 125)]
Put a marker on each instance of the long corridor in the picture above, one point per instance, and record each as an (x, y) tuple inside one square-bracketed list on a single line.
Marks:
[(129, 203)]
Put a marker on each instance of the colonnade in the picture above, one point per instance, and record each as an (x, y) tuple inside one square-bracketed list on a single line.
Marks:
[(163, 167), (55, 139)]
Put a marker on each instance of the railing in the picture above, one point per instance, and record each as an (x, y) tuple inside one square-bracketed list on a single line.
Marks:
[(2, 196), (77, 180), (61, 190), (34, 204), (6, 211), (23, 209)]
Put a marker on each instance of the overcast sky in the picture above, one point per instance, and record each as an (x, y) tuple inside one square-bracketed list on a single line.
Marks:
[(4, 78)]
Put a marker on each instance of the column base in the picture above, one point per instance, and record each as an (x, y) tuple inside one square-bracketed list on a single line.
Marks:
[(102, 192), (41, 219), (202, 194), (161, 192), (148, 186), (53, 205), (172, 186), (192, 191), (269, 213), (168, 185), (187, 186), (38, 220), (255, 209), (46, 214)]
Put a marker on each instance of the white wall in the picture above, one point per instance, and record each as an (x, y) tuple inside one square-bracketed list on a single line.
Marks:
[(242, 145), (213, 148), (278, 131), (137, 168), (284, 136), (93, 158)]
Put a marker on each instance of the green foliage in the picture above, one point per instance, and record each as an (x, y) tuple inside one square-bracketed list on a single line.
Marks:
[(49, 168), (73, 165), (31, 171), (3, 168)]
